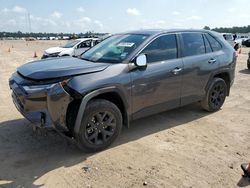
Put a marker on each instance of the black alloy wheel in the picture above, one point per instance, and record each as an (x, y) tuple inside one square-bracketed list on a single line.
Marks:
[(101, 125), (215, 96), (218, 95)]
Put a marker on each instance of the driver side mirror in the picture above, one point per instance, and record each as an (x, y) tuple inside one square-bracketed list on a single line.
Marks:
[(141, 60)]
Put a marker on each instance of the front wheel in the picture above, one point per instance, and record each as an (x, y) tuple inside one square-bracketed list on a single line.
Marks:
[(215, 96), (101, 125)]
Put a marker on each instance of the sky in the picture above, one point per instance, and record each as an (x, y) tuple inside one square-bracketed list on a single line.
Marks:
[(114, 16)]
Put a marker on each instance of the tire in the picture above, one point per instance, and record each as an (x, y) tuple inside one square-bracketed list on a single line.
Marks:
[(215, 96), (248, 64), (101, 125)]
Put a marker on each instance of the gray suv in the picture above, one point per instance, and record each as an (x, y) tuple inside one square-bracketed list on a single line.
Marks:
[(123, 78)]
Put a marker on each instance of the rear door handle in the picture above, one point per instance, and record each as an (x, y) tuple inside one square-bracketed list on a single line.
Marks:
[(212, 61), (176, 71)]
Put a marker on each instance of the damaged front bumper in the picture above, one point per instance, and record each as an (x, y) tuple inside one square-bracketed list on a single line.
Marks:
[(44, 105)]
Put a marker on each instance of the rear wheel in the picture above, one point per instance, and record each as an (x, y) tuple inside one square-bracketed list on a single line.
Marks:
[(101, 125), (215, 96)]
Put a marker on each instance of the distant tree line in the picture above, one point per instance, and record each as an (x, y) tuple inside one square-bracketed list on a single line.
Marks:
[(20, 34), (244, 29)]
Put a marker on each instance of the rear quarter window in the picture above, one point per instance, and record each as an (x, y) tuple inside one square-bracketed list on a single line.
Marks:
[(216, 46), (207, 45), (193, 44)]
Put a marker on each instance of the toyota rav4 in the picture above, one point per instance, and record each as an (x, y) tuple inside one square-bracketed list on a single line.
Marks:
[(123, 78)]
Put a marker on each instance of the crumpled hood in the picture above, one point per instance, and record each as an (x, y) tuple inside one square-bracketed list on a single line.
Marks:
[(59, 67), (54, 50)]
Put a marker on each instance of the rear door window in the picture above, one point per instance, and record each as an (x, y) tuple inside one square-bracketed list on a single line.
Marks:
[(161, 49), (193, 44), (216, 46)]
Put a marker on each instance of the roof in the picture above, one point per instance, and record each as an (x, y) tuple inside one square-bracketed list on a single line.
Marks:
[(83, 39), (160, 31)]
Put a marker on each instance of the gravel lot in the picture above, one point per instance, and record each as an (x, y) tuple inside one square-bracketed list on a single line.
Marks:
[(186, 147)]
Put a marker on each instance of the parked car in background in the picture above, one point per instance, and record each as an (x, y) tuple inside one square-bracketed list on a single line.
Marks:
[(229, 37), (30, 39), (126, 77), (246, 42), (241, 39), (71, 48)]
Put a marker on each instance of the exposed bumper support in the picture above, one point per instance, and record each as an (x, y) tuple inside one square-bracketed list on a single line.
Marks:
[(44, 105)]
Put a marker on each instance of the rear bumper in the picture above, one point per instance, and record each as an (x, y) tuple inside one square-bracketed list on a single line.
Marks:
[(44, 105)]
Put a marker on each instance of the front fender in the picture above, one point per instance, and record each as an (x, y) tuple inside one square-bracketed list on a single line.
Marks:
[(90, 96)]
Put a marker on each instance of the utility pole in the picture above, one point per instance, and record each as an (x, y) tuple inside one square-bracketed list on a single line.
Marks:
[(29, 23)]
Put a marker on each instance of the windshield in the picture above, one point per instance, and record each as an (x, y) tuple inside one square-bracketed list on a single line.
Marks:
[(114, 49), (71, 44)]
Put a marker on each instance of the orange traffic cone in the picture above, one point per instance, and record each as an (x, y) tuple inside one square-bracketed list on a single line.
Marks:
[(9, 50), (35, 56), (12, 46)]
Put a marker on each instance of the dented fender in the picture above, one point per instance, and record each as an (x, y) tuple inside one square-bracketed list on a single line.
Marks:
[(57, 102)]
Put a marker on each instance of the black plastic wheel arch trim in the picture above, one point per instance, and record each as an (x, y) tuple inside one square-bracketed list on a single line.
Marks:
[(84, 102)]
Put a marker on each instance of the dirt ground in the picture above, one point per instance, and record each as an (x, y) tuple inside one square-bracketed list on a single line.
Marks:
[(186, 147)]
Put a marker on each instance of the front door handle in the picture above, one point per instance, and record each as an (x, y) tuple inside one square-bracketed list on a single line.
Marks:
[(212, 61), (176, 71)]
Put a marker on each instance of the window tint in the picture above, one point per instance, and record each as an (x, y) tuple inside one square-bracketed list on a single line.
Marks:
[(216, 46), (85, 44), (193, 44), (207, 45), (161, 49)]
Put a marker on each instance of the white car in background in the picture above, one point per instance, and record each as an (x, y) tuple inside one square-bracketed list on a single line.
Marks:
[(230, 39), (72, 48), (241, 39)]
